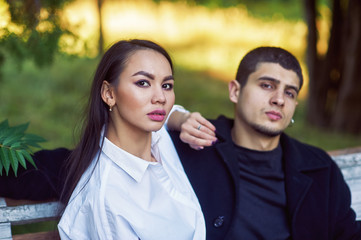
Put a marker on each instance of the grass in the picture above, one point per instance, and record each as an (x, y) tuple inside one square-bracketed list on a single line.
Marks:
[(268, 10), (34, 227), (52, 100)]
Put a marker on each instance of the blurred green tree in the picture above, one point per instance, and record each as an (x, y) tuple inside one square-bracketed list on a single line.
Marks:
[(33, 31), (334, 99)]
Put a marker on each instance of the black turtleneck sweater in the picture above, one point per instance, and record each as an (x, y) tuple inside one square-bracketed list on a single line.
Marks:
[(261, 211)]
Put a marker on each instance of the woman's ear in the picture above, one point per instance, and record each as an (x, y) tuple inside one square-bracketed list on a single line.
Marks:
[(106, 93), (234, 88)]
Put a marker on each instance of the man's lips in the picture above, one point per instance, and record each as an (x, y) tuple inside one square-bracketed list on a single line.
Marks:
[(157, 115), (273, 115)]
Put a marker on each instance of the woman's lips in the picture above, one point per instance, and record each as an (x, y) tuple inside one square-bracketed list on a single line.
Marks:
[(157, 115)]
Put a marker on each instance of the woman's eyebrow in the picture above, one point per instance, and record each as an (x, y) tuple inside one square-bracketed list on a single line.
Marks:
[(170, 77), (146, 74), (151, 76)]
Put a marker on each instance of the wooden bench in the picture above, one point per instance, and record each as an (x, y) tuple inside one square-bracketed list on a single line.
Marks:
[(18, 212), (349, 161)]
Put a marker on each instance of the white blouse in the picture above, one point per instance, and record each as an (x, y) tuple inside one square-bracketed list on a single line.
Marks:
[(125, 197)]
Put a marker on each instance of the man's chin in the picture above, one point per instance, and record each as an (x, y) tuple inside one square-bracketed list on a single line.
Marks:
[(267, 131)]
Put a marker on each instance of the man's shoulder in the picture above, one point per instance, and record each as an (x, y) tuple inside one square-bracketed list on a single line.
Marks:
[(301, 145), (221, 119), (304, 153)]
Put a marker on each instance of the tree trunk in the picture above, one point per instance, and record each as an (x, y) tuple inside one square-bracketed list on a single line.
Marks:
[(347, 114), (318, 92), (330, 75), (334, 89), (101, 35), (314, 101)]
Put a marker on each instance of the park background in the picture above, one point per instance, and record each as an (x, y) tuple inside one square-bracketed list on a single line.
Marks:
[(206, 40), (49, 51)]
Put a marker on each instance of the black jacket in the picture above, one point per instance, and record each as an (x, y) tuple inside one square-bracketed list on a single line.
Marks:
[(318, 199)]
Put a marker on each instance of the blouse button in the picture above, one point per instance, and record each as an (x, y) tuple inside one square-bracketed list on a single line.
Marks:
[(218, 222)]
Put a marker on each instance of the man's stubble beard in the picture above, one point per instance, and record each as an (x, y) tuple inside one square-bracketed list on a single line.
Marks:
[(266, 131)]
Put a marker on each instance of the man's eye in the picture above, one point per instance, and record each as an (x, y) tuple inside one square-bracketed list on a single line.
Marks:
[(143, 83), (290, 94), (167, 86), (266, 85)]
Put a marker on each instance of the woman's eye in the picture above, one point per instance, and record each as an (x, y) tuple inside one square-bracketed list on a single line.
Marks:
[(143, 83), (167, 86)]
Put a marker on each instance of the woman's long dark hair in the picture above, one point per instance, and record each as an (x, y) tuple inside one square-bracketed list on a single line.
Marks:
[(97, 113)]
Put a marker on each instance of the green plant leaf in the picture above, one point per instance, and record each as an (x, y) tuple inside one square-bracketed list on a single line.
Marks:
[(4, 134), (4, 124), (33, 138), (33, 144), (12, 139), (21, 128), (28, 157), (16, 146), (5, 159), (14, 161), (21, 158), (1, 168)]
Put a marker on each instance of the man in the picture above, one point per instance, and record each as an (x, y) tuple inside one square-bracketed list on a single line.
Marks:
[(257, 182)]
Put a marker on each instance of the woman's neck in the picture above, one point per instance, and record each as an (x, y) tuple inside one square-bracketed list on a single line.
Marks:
[(133, 141)]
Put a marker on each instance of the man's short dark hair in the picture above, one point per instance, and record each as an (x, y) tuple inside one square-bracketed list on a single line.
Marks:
[(278, 55)]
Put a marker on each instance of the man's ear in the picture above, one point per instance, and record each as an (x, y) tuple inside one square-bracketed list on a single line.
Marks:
[(234, 89), (107, 94)]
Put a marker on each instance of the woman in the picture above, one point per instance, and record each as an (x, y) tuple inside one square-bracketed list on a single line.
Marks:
[(119, 184)]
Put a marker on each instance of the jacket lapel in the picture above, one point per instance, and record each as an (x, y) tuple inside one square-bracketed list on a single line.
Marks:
[(229, 156), (298, 163), (297, 186), (225, 146)]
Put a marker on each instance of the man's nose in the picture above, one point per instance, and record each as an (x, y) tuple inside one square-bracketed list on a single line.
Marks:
[(278, 98)]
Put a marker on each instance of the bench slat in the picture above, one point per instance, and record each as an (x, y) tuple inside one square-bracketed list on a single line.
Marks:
[(350, 165), (348, 160), (30, 213), (5, 231)]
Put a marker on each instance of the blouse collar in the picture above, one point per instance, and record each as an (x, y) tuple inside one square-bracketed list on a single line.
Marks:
[(131, 164)]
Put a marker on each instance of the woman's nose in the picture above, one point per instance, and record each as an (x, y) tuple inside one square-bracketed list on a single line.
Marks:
[(158, 96)]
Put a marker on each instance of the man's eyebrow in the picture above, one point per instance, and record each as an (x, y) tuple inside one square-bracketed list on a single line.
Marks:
[(278, 82), (151, 76), (269, 79)]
